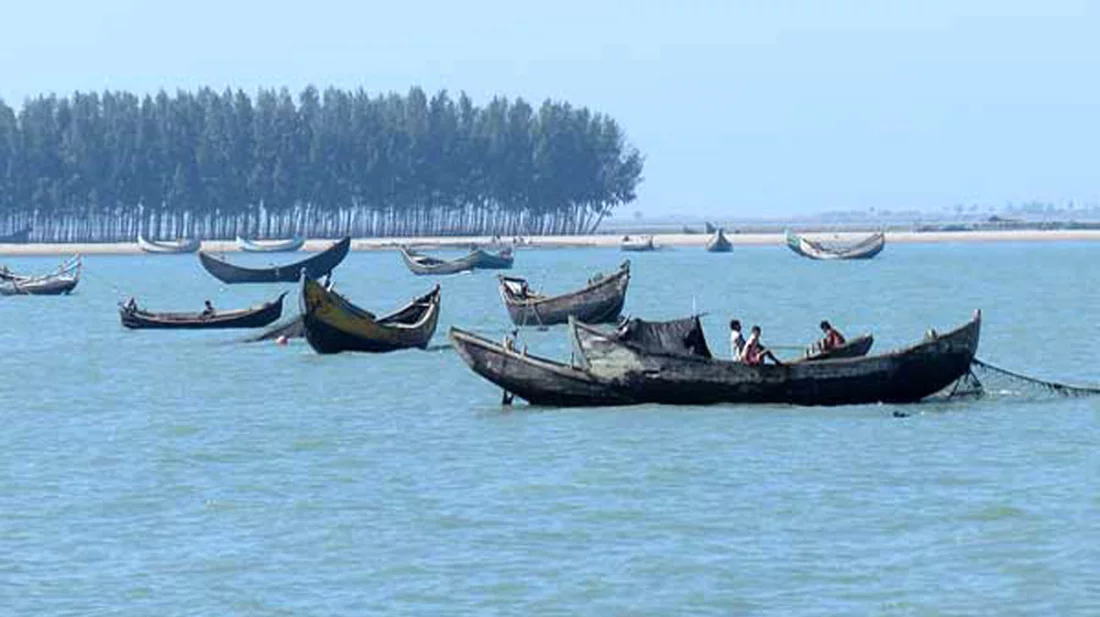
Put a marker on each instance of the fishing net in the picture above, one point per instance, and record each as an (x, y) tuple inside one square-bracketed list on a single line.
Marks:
[(987, 380)]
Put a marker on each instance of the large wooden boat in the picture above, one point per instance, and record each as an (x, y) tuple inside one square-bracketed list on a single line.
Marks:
[(854, 348), (718, 243), (21, 236), (863, 249), (288, 245), (637, 244), (903, 376), (255, 317), (425, 265), (189, 245), (538, 381), (601, 301), (333, 324), (314, 267), (60, 282)]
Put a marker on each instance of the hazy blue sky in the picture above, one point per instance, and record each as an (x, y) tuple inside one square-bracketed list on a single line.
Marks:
[(741, 108)]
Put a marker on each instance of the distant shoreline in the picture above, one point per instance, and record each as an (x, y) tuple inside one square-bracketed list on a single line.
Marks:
[(596, 241)]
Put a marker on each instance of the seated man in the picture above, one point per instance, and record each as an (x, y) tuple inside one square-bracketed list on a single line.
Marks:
[(209, 310), (833, 338), (754, 352)]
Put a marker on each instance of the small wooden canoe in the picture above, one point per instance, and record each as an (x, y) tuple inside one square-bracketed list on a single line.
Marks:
[(288, 245), (314, 267), (601, 301), (637, 244), (256, 317), (169, 246), (864, 249), (333, 324), (426, 265), (60, 282), (718, 243)]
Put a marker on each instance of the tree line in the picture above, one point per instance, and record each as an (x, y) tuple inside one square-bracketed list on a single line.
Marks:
[(105, 167)]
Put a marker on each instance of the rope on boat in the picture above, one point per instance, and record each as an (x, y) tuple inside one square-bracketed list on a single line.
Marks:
[(985, 379)]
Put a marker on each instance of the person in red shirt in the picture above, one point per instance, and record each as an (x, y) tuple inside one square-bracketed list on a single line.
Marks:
[(754, 353), (833, 338)]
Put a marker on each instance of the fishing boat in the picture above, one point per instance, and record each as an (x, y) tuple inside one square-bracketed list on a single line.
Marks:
[(637, 244), (424, 265), (538, 381), (21, 236), (854, 348), (600, 301), (484, 260), (255, 317), (314, 267), (709, 227), (189, 245), (718, 243), (903, 376), (333, 324), (864, 249), (60, 282), (288, 245)]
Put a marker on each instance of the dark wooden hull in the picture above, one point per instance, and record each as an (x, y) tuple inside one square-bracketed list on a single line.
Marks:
[(719, 243), (864, 249), (270, 246), (245, 318), (423, 265), (43, 286), (855, 348), (599, 302), (536, 380), (332, 324), (172, 247), (484, 260), (315, 267), (19, 237), (904, 376)]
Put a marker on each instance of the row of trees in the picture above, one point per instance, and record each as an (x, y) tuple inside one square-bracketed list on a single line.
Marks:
[(104, 167)]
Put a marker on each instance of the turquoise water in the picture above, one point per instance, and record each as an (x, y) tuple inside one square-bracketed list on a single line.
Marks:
[(187, 474)]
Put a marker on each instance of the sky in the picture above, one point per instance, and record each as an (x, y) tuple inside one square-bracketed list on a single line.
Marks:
[(742, 109)]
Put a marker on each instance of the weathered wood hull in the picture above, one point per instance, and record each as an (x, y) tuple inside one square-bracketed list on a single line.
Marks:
[(246, 318), (536, 380), (864, 249), (719, 243), (599, 302), (332, 324), (423, 265), (315, 267), (41, 286), (904, 376), (270, 246), (855, 348), (171, 247), (484, 260)]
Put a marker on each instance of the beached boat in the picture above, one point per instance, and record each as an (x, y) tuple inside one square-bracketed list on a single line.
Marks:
[(538, 381), (484, 260), (270, 246), (904, 376), (424, 265), (854, 348), (864, 249), (600, 301), (60, 282), (21, 236), (169, 246), (637, 243), (314, 267), (718, 243), (255, 317), (333, 324)]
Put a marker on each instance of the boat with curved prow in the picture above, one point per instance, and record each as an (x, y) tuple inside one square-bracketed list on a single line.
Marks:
[(288, 245), (314, 267), (169, 247), (255, 317), (864, 249), (332, 324), (719, 243), (60, 282), (601, 301), (538, 381), (426, 265), (903, 376), (484, 260), (637, 244)]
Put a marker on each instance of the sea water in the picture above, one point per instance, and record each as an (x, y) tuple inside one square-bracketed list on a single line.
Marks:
[(187, 473)]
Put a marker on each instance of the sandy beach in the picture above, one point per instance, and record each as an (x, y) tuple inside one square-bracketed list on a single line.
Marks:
[(607, 241)]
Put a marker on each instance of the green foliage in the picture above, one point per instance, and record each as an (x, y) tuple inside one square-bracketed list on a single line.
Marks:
[(328, 163)]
